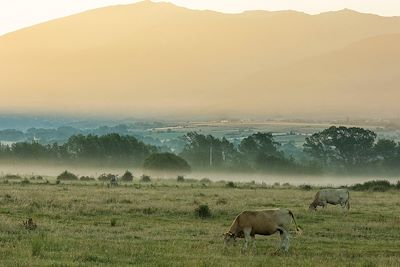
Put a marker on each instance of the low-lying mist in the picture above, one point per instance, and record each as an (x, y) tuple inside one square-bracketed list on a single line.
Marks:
[(52, 170)]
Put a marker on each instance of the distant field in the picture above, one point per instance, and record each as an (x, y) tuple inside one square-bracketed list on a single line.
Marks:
[(153, 224)]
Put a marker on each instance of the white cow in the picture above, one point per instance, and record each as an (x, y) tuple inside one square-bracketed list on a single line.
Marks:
[(331, 196)]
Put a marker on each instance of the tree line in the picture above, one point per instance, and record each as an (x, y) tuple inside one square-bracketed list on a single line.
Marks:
[(336, 150), (110, 149)]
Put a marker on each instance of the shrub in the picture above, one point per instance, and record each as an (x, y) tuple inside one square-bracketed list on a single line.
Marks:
[(67, 176), (127, 177), (29, 224), (36, 177), (113, 222), (305, 187), (145, 178), (106, 177), (86, 178), (230, 184), (375, 186), (149, 211), (25, 181), (202, 211), (180, 178), (12, 176)]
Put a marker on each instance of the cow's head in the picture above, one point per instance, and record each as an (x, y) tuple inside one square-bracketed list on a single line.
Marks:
[(229, 238), (312, 207)]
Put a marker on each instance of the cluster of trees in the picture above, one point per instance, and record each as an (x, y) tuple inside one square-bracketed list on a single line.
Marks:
[(112, 149), (258, 151), (353, 149), (336, 149)]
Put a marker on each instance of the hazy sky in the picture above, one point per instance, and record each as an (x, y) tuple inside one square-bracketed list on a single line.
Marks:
[(15, 14)]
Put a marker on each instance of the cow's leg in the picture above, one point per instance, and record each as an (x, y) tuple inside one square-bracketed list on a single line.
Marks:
[(323, 204), (253, 240), (284, 239), (247, 236), (343, 205)]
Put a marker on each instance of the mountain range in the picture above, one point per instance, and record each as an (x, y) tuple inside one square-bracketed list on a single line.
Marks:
[(160, 59)]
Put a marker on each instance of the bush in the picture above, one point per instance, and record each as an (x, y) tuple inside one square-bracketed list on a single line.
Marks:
[(113, 222), (29, 224), (149, 211), (180, 178), (230, 184), (203, 211), (145, 178), (106, 177), (305, 187), (86, 178), (67, 176), (127, 177), (25, 181), (166, 162), (12, 176), (375, 186)]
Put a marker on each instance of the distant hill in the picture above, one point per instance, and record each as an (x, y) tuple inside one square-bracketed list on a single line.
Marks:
[(156, 58)]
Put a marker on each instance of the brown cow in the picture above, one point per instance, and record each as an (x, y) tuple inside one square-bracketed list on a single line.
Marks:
[(265, 222)]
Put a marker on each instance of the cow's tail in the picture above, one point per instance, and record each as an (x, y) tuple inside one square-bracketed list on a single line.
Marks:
[(298, 230)]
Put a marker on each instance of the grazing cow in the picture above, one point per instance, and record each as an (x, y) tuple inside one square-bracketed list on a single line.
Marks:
[(265, 222), (331, 196)]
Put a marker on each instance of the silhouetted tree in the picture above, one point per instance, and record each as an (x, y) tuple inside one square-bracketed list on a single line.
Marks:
[(166, 162), (207, 151), (342, 147)]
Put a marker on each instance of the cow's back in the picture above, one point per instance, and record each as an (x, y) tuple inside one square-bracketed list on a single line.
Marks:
[(333, 196), (264, 221)]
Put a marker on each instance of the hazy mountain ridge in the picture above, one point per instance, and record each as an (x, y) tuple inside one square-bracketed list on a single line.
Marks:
[(150, 58)]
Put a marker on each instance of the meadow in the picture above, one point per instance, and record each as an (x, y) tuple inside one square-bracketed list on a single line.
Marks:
[(155, 224)]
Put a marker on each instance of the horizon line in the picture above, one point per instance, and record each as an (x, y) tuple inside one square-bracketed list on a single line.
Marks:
[(201, 10)]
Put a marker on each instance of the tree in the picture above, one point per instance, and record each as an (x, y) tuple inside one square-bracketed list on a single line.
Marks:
[(260, 151), (388, 154), (166, 162), (342, 147), (110, 148), (209, 152)]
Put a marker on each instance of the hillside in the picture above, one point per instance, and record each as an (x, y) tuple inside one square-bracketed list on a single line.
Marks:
[(157, 58)]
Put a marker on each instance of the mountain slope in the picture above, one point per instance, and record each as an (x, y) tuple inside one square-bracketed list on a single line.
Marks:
[(151, 58)]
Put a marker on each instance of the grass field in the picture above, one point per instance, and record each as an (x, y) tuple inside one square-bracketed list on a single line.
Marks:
[(153, 224)]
